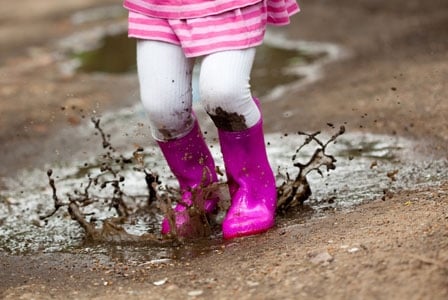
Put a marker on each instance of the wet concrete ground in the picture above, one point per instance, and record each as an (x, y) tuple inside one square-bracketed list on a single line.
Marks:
[(392, 85)]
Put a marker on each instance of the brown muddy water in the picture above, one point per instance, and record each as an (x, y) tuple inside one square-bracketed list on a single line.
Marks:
[(368, 166)]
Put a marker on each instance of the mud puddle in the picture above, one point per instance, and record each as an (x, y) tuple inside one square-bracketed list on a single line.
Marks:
[(368, 167)]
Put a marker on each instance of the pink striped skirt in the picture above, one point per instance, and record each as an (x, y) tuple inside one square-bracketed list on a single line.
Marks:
[(236, 29)]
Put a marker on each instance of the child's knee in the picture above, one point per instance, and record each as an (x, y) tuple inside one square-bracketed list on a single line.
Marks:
[(230, 106), (220, 94), (169, 115)]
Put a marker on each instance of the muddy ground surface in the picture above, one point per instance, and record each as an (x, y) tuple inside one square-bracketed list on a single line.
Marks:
[(394, 82)]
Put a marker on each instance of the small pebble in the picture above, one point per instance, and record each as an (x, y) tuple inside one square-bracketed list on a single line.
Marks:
[(252, 283), (323, 258), (160, 282), (195, 293)]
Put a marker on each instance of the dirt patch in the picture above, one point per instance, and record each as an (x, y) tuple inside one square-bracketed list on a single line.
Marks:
[(228, 121), (385, 249)]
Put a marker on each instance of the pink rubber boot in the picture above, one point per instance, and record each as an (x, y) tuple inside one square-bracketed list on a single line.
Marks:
[(192, 164), (251, 182)]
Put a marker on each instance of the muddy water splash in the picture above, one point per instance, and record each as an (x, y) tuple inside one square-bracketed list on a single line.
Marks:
[(292, 192), (367, 166)]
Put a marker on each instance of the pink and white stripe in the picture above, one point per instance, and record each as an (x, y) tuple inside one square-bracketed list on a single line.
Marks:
[(184, 9), (238, 28), (279, 11)]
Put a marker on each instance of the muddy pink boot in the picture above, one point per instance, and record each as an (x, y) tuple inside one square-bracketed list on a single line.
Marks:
[(251, 182), (192, 164)]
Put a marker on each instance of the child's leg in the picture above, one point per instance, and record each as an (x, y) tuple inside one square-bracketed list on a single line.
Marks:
[(165, 82), (165, 87), (225, 89), (226, 92)]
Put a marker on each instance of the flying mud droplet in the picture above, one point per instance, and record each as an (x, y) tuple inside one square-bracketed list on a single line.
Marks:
[(293, 192)]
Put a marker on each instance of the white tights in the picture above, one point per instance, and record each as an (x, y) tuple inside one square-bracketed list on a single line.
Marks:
[(165, 76)]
